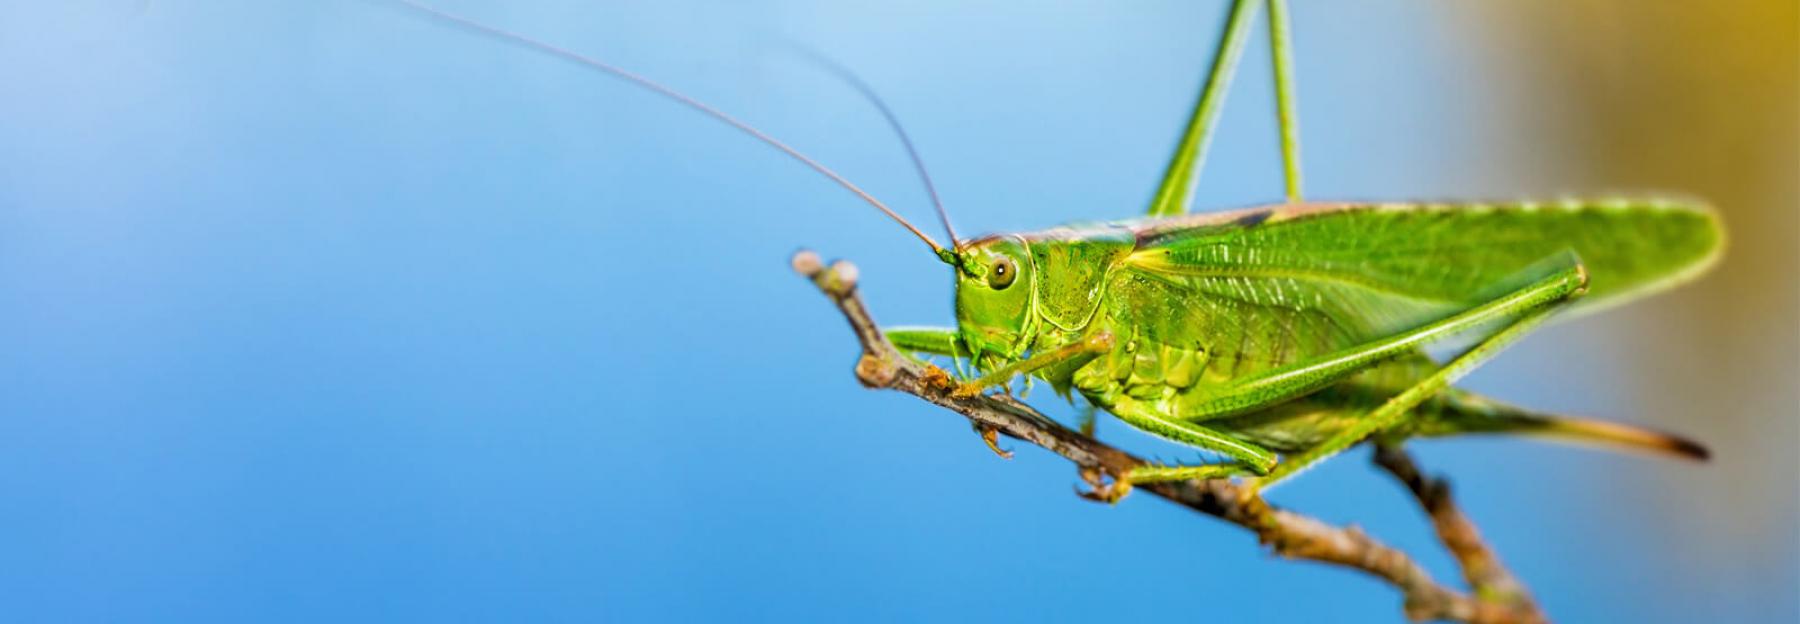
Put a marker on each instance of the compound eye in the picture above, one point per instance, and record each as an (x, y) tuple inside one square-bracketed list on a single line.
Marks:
[(1002, 273)]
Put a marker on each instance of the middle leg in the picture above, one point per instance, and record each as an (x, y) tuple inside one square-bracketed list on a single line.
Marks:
[(1247, 458)]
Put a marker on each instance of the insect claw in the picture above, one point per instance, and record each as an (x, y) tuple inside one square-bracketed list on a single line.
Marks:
[(991, 436), (1100, 489), (1110, 493), (937, 378), (1250, 492), (967, 390)]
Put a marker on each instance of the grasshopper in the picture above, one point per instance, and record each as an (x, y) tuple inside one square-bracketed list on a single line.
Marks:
[(1277, 336)]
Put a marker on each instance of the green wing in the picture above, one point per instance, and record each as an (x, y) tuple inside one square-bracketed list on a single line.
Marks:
[(1277, 285)]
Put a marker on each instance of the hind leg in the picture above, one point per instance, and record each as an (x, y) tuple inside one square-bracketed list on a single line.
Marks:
[(1528, 315)]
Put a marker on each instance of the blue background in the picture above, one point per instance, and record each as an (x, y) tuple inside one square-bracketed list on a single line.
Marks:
[(322, 311)]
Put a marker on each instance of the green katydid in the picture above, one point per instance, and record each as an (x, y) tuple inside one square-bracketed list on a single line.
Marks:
[(1278, 336)]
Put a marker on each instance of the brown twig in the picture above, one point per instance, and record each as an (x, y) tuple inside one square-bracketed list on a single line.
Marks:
[(1489, 578), (1287, 533)]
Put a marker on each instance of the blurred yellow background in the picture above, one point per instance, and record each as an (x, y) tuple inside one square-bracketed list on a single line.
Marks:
[(1700, 98)]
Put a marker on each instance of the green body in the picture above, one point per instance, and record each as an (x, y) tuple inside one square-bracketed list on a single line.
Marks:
[(1197, 304), (1279, 336)]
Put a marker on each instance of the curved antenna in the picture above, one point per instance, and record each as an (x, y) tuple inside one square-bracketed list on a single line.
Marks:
[(868, 92), (578, 58)]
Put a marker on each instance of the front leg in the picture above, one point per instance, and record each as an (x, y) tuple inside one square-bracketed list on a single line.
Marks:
[(1085, 348), (931, 340), (945, 341), (912, 340)]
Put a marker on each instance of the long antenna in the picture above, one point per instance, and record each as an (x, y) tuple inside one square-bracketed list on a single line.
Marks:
[(576, 57), (868, 92)]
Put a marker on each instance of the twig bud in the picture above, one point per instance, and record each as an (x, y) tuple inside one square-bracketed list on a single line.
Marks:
[(807, 263), (846, 274)]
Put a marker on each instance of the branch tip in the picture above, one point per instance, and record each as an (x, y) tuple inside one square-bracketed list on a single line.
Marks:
[(807, 263), (844, 274)]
